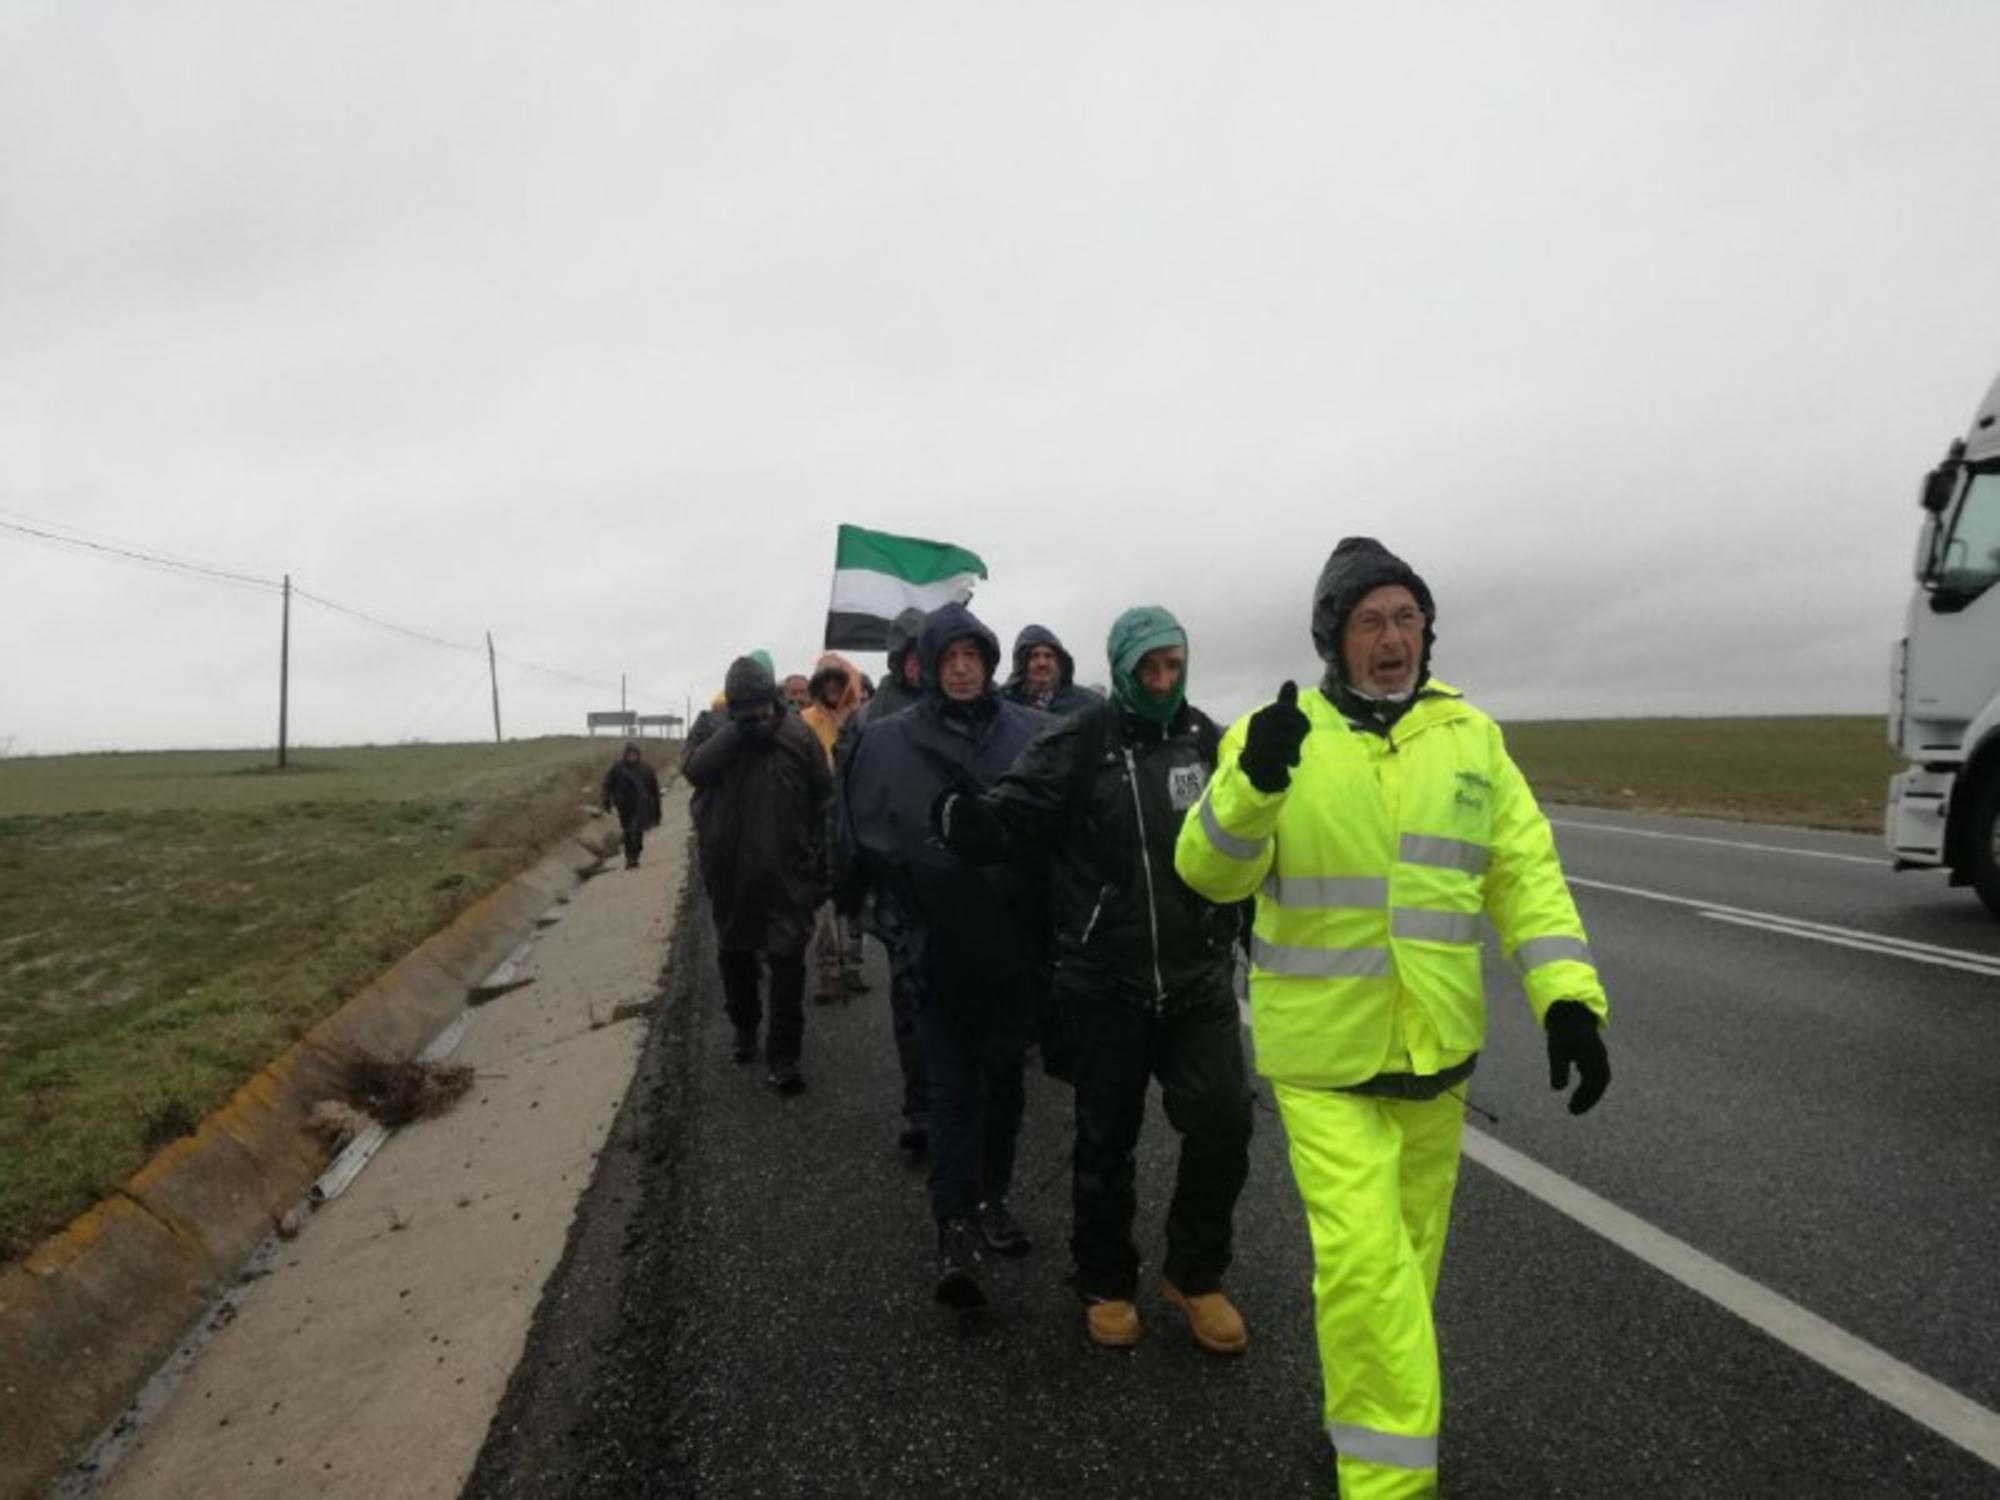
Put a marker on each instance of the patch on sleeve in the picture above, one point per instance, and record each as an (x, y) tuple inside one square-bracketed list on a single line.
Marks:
[(1184, 784)]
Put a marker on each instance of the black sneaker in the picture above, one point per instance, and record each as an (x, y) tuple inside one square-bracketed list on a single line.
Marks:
[(959, 1283), (746, 1044), (914, 1141), (787, 1080), (1001, 1231)]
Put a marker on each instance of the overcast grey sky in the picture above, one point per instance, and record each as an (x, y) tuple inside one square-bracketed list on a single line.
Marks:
[(1632, 327)]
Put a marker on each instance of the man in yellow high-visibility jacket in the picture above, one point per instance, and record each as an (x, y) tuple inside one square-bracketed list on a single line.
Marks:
[(1376, 821)]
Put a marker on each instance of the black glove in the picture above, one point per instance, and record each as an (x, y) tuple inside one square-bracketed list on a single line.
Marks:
[(1574, 1038), (1271, 745), (967, 826)]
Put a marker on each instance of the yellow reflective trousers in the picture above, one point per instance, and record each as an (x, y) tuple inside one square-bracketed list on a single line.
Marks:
[(1376, 1176)]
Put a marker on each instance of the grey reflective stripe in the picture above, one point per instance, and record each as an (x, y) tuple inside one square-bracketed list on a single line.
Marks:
[(1319, 963), (1327, 890), (1448, 854), (1550, 950), (1228, 844), (1390, 1448), (1435, 926)]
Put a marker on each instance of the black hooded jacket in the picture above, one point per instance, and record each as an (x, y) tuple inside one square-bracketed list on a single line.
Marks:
[(976, 932), (1102, 796), (1357, 565), (891, 698), (893, 695), (1067, 698), (633, 787), (760, 815)]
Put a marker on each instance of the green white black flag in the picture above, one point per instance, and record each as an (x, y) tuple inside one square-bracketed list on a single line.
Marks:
[(877, 576)]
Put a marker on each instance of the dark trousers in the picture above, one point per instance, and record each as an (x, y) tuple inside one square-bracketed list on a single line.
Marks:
[(976, 1095), (906, 990), (1194, 1046), (905, 996), (740, 973), (635, 837)]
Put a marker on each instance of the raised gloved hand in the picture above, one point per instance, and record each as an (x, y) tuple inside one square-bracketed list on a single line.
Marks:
[(1271, 744), (1574, 1038), (966, 826)]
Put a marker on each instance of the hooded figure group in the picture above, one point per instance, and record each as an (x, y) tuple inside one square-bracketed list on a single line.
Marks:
[(1043, 861)]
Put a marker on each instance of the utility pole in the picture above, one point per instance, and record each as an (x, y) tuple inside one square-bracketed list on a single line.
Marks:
[(493, 672), (621, 692), (284, 672)]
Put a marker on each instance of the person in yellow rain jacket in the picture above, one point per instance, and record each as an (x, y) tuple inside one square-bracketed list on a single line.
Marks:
[(1377, 820)]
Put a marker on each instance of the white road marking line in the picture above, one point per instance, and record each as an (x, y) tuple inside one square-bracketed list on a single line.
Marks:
[(1956, 1418), (1989, 967), (1894, 947), (1880, 863)]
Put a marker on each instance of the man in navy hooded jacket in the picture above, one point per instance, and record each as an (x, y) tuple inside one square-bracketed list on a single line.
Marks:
[(1044, 674), (976, 934)]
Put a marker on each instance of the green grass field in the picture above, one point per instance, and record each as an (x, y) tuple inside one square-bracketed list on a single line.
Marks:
[(171, 922), (1809, 772)]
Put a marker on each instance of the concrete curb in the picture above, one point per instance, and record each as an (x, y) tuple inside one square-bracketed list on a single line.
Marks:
[(89, 1314)]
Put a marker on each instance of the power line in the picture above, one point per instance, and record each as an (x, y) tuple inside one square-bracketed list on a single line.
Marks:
[(416, 635), (272, 585), (519, 661), (132, 554)]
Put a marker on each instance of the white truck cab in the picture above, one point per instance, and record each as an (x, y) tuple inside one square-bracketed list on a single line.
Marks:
[(1944, 714)]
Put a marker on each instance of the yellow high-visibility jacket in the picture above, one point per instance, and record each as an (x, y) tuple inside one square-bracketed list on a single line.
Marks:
[(1371, 872)]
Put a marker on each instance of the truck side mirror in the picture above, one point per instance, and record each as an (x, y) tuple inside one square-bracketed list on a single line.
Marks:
[(1942, 482)]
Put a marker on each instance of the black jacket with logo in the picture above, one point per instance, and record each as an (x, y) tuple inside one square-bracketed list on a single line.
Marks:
[(1102, 795)]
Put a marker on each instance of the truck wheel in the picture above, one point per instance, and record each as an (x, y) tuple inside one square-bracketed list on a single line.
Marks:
[(1982, 845)]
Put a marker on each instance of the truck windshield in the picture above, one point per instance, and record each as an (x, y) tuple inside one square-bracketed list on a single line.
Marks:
[(1968, 561)]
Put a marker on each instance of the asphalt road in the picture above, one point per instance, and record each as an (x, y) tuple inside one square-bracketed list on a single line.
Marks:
[(744, 1305)]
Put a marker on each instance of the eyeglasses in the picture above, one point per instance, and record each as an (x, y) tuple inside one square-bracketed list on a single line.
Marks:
[(1370, 622)]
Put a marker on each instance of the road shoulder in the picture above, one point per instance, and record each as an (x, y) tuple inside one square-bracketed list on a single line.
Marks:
[(371, 1359)]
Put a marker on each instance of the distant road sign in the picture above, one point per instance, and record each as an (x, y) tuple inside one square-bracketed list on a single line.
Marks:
[(617, 718)]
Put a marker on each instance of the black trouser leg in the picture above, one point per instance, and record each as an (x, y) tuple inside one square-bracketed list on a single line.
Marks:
[(905, 997), (635, 837), (957, 1107), (1109, 1047), (977, 1096), (1205, 1089), (788, 1008), (1002, 1075), (739, 989)]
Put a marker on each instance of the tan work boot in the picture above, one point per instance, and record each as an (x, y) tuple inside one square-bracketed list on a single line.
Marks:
[(1112, 1324), (1212, 1318)]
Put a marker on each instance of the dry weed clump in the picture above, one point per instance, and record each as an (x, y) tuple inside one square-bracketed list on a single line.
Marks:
[(337, 1122), (397, 1091)]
